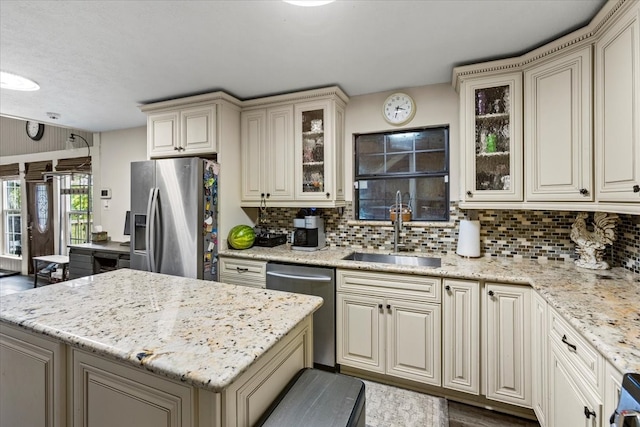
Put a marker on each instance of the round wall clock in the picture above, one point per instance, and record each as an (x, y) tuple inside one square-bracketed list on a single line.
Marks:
[(399, 108), (35, 130)]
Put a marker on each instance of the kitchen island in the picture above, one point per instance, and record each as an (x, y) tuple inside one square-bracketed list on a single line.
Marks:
[(149, 349)]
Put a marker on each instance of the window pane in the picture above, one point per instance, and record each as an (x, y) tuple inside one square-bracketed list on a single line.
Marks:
[(434, 161), (431, 140), (400, 142), (427, 197), (399, 163), (369, 144), (371, 164)]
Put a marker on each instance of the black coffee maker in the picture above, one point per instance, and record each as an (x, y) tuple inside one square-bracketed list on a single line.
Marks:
[(628, 412)]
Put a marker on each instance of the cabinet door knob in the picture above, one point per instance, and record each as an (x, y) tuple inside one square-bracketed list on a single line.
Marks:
[(380, 306), (491, 293), (447, 288), (571, 346), (584, 191), (588, 413), (469, 193), (328, 195), (268, 195), (388, 306), (636, 188), (176, 148)]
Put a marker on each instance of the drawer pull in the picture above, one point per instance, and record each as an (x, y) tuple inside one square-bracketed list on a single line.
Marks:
[(572, 347), (241, 270), (588, 413)]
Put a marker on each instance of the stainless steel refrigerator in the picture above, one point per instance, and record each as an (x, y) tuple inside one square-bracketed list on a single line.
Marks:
[(174, 217)]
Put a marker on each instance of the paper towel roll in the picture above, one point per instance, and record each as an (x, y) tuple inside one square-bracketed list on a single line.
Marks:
[(469, 238)]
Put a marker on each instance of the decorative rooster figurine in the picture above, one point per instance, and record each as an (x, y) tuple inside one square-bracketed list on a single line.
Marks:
[(591, 244)]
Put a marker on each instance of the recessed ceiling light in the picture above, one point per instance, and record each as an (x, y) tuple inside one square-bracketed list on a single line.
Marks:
[(309, 3), (16, 82)]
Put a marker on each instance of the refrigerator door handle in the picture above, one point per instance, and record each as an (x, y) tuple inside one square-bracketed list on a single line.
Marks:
[(147, 234), (154, 217)]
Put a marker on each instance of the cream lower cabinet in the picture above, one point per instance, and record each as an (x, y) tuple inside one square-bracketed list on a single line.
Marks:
[(507, 343), (617, 108), (461, 335), (571, 403), (612, 387), (539, 359), (243, 272), (389, 324), (108, 394), (33, 380)]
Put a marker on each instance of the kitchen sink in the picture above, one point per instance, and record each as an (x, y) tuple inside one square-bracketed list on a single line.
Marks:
[(394, 259)]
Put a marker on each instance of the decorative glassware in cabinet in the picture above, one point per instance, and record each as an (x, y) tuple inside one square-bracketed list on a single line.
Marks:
[(492, 138), (313, 151)]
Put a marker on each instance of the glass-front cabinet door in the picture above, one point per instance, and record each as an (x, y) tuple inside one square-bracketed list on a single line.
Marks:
[(313, 151), (493, 138)]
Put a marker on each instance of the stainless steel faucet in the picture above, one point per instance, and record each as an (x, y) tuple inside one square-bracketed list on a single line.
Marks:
[(397, 225)]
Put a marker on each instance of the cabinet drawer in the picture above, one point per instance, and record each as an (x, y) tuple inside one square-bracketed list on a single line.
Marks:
[(423, 288), (242, 271), (587, 361), (237, 279), (80, 259)]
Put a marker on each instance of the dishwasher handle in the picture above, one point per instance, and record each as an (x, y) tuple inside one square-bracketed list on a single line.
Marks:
[(300, 277)]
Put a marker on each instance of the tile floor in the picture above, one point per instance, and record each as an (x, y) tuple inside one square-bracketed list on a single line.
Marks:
[(460, 415)]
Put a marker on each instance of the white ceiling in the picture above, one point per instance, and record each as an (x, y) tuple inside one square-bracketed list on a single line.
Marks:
[(96, 61)]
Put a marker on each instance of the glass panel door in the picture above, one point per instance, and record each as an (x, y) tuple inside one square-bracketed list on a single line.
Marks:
[(313, 152)]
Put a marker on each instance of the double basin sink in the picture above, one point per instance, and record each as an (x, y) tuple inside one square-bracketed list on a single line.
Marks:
[(394, 259)]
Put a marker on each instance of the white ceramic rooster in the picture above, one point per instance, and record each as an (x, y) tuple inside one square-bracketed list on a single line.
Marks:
[(591, 244)]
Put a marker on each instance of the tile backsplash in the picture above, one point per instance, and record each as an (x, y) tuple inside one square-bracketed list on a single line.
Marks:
[(523, 234)]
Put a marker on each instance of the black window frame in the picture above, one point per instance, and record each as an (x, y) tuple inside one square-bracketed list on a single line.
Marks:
[(445, 173)]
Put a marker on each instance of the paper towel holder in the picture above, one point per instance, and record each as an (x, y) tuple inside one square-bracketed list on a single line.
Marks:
[(469, 238)]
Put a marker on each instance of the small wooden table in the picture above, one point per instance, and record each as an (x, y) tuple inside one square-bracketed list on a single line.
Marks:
[(61, 260)]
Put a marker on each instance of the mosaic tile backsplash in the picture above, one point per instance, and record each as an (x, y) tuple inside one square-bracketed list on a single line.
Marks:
[(523, 234)]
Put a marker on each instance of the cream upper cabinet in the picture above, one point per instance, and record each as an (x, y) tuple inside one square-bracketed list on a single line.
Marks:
[(389, 324), (182, 132), (507, 345), (491, 132), (461, 335), (617, 109), (557, 128), (293, 149), (267, 154)]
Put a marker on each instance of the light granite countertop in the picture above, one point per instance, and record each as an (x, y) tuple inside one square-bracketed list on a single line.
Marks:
[(603, 305), (203, 333)]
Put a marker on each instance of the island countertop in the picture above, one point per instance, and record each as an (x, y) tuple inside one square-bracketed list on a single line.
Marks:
[(203, 333), (603, 305)]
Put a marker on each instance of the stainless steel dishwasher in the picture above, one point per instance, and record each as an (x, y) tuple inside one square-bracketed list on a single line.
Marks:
[(318, 281)]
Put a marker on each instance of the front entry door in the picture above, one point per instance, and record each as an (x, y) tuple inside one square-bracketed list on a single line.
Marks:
[(40, 220)]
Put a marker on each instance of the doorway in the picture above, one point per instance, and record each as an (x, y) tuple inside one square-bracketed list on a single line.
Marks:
[(39, 220)]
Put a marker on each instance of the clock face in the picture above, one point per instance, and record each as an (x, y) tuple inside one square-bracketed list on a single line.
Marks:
[(398, 108), (35, 130)]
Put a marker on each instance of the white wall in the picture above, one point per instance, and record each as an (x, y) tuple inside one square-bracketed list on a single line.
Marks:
[(117, 150), (435, 105)]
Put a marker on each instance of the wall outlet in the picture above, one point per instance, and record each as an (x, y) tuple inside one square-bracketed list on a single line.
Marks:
[(106, 205)]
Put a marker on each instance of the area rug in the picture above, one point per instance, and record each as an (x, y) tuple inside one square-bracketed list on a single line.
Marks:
[(388, 406), (7, 273)]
